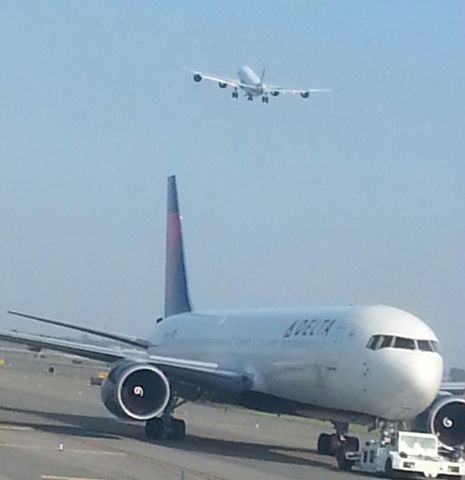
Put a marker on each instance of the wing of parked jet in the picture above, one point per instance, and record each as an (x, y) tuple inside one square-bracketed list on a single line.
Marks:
[(193, 372), (456, 388), (93, 352), (135, 342)]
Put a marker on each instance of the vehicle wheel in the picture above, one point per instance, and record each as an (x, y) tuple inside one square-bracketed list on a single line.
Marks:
[(389, 471), (352, 444), (154, 429), (178, 429), (323, 445), (342, 461)]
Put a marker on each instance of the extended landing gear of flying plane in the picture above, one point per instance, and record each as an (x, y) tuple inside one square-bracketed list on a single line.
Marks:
[(166, 427), (330, 444), (265, 99), (250, 97), (235, 93)]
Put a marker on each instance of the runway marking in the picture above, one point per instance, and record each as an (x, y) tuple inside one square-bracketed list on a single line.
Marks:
[(16, 427), (55, 477), (72, 450)]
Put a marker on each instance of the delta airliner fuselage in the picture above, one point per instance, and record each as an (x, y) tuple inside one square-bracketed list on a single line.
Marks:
[(321, 357)]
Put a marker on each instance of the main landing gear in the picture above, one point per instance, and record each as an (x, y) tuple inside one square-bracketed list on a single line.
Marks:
[(331, 444), (166, 427), (235, 93), (265, 99)]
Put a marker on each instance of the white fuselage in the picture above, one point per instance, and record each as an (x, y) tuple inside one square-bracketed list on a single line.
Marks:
[(250, 82), (315, 356)]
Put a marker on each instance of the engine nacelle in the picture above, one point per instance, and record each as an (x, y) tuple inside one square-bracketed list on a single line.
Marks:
[(275, 93), (197, 77), (305, 94), (137, 391), (222, 84), (446, 419)]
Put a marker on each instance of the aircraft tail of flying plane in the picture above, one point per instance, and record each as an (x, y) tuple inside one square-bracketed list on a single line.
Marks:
[(346, 364), (253, 86)]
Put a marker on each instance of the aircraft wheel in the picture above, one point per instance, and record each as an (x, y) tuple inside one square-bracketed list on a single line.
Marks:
[(324, 443), (178, 429), (389, 471), (154, 429), (342, 461)]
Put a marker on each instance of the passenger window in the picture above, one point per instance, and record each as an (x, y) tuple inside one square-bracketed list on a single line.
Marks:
[(386, 341), (405, 343), (425, 346)]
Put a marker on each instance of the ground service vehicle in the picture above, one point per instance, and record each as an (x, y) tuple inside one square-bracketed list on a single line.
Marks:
[(403, 455)]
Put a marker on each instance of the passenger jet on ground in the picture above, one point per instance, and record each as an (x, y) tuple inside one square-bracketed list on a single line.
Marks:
[(368, 364), (253, 85)]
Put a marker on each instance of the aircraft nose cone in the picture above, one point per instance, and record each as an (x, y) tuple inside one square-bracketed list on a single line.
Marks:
[(419, 378)]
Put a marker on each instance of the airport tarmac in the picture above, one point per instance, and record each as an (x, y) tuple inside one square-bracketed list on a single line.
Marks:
[(54, 427)]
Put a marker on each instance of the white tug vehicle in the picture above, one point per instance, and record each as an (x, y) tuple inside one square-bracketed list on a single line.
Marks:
[(404, 455)]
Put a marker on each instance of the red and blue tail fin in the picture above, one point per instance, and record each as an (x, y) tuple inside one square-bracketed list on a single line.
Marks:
[(176, 291)]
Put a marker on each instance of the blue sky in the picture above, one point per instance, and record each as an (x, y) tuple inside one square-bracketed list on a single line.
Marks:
[(350, 197)]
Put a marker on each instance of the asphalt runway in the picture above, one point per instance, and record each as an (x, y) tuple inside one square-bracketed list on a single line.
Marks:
[(54, 427)]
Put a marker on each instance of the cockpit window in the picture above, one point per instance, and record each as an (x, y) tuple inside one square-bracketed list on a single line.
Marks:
[(386, 341), (425, 345), (373, 342), (377, 342), (405, 343)]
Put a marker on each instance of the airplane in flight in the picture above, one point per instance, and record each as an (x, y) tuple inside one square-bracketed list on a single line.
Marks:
[(253, 86), (372, 365)]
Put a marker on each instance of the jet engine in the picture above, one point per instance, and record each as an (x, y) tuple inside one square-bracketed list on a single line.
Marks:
[(305, 94), (197, 77), (274, 93), (446, 419), (136, 391), (222, 84)]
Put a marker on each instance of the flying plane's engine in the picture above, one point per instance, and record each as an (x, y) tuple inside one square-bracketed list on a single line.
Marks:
[(275, 93), (197, 77), (305, 94), (222, 84), (137, 391), (446, 419)]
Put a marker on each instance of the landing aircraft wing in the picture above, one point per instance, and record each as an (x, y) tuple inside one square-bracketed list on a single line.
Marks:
[(213, 78), (296, 91)]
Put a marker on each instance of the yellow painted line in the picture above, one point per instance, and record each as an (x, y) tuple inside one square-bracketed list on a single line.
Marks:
[(69, 450), (55, 477)]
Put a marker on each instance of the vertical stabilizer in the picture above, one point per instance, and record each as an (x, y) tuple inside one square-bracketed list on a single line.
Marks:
[(176, 292)]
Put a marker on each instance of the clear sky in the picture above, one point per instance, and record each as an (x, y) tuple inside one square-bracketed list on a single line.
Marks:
[(352, 197)]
